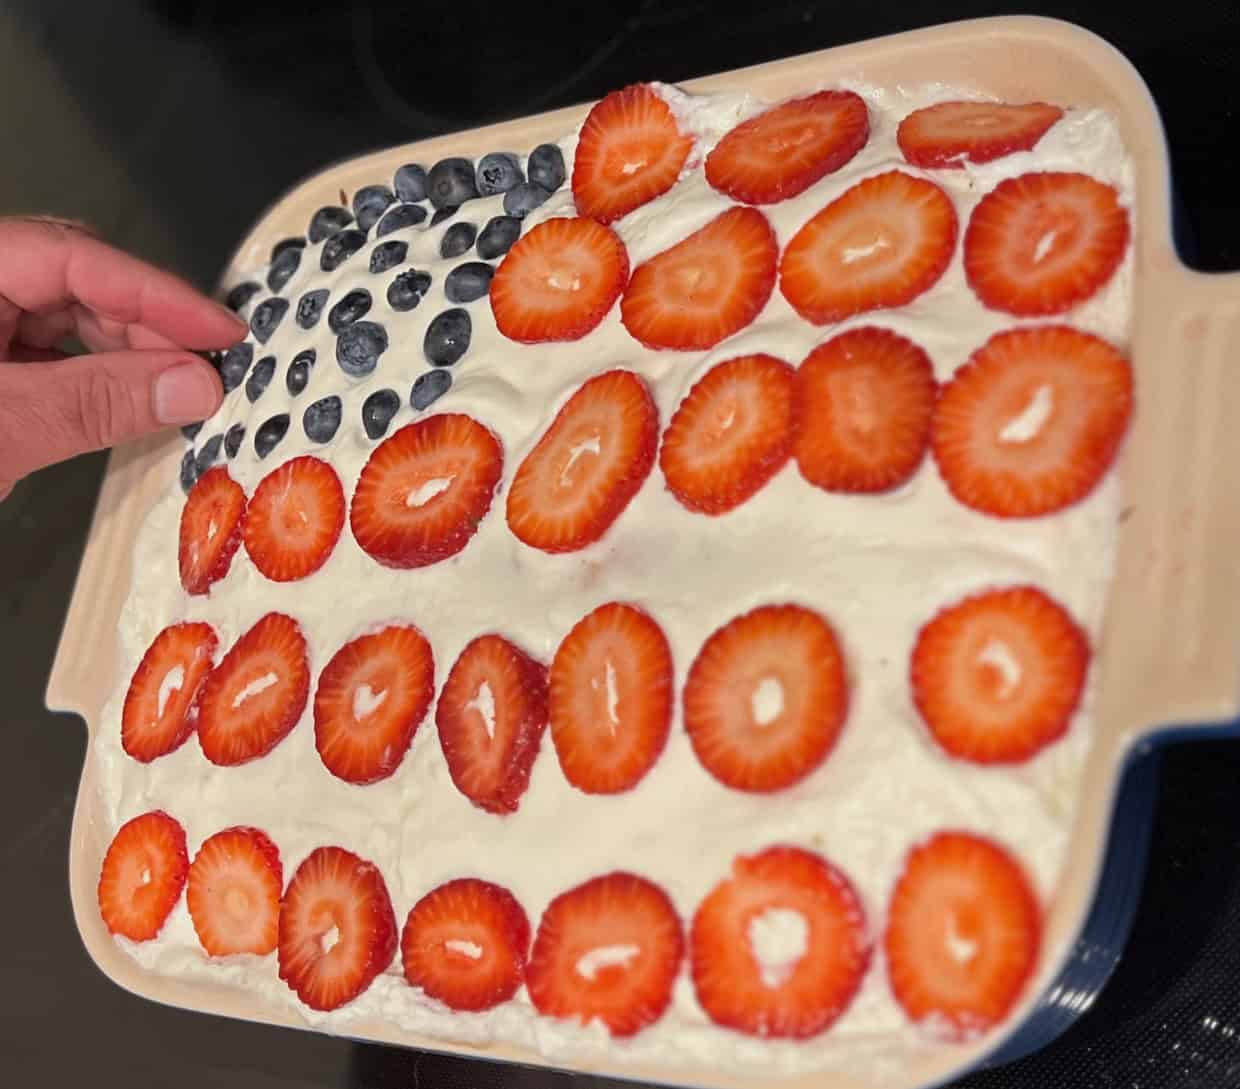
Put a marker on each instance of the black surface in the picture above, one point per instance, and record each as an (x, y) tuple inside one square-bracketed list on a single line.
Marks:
[(221, 106)]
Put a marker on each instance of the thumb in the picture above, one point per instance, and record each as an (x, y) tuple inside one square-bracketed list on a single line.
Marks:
[(53, 411)]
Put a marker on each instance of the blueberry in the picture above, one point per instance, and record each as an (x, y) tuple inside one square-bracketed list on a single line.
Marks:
[(354, 305), (444, 213), (498, 236), (410, 182), (207, 454), (498, 171), (287, 244), (310, 308), (468, 282), (457, 239), (327, 221), (190, 431), (447, 337), (299, 370), (406, 291), (269, 434), (235, 363), (282, 268), (241, 294), (340, 247), (369, 203), (358, 348), (545, 167), (388, 255), (266, 317), (378, 410), (522, 199), (233, 439), (429, 388), (189, 471), (260, 378), (451, 182), (400, 217), (321, 420)]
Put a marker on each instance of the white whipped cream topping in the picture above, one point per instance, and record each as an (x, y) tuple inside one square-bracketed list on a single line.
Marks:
[(876, 567)]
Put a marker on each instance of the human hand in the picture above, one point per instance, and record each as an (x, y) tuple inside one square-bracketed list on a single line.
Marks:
[(57, 281)]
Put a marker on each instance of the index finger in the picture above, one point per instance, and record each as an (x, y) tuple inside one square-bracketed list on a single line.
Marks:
[(46, 265)]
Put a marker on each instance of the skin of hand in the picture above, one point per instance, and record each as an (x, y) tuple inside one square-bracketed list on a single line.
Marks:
[(138, 324)]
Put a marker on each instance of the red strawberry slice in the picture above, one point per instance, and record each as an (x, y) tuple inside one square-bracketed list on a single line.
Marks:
[(424, 491), (588, 465), (255, 696), (863, 406), (785, 150), (882, 243), (611, 699), (161, 705), (705, 288), (766, 698), (234, 893), (371, 698), (465, 944), (949, 134), (998, 676), (1031, 423), (142, 876), (779, 947), (629, 151), (1042, 243), (559, 281), (337, 928), (963, 932), (294, 519), (607, 950), (491, 716), (210, 530), (730, 435)]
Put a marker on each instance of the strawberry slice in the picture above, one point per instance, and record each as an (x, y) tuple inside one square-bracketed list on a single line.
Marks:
[(998, 676), (142, 876), (863, 405), (559, 281), (161, 705), (785, 150), (1042, 243), (706, 287), (963, 931), (294, 519), (607, 950), (1031, 423), (371, 698), (880, 244), (255, 696), (337, 928), (779, 947), (949, 134), (766, 698), (491, 716), (730, 435), (424, 491), (611, 699), (234, 893), (587, 466), (210, 529), (465, 944), (630, 150)]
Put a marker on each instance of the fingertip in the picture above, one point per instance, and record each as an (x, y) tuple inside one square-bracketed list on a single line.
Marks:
[(186, 392)]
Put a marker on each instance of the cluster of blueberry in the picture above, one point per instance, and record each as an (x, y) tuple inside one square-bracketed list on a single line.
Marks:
[(445, 187)]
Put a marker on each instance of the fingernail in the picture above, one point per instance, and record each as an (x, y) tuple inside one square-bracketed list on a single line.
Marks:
[(184, 394), (232, 316)]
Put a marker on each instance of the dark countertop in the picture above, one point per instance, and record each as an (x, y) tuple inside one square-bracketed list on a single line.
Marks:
[(211, 110)]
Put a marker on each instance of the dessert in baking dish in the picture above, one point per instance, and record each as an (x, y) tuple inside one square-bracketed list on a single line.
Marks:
[(639, 592)]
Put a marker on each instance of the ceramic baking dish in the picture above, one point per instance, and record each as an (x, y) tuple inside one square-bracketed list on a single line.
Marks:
[(1170, 648)]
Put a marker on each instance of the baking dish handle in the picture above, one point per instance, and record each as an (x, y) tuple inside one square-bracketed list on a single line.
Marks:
[(1187, 515)]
